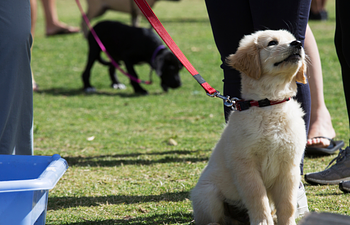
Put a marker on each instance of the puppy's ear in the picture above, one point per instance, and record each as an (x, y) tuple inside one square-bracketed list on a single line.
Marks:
[(300, 77), (246, 60)]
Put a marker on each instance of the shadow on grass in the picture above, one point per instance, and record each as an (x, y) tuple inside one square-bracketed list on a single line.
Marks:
[(109, 161), (76, 92), (56, 203), (176, 218), (313, 156)]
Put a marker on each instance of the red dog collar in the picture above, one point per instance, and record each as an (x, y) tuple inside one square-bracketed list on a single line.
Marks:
[(241, 105)]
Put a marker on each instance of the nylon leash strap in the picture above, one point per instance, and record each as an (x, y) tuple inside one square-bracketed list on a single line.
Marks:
[(159, 28)]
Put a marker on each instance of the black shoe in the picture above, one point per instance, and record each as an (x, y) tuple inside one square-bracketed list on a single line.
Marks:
[(345, 186), (335, 174)]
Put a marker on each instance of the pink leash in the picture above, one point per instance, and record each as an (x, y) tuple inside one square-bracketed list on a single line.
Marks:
[(103, 48)]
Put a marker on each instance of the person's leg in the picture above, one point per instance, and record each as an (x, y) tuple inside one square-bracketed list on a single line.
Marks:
[(33, 16), (16, 95), (340, 171), (230, 21), (318, 10), (320, 121), (342, 44), (53, 25), (318, 6), (323, 4)]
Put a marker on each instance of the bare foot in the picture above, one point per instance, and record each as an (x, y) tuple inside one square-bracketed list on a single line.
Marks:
[(35, 87), (61, 28), (320, 125)]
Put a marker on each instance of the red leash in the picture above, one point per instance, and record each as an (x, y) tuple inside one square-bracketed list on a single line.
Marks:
[(158, 27)]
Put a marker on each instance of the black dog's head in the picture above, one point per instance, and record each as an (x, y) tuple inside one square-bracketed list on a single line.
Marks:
[(167, 67)]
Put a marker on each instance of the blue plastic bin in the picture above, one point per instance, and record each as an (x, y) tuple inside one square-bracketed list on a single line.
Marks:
[(25, 182)]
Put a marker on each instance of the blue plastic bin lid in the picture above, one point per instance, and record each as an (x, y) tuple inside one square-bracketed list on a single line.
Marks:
[(30, 173)]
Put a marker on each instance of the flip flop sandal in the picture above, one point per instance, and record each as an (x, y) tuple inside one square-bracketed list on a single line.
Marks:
[(63, 31), (331, 149)]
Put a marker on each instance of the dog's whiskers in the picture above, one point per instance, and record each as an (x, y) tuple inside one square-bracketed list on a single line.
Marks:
[(308, 60)]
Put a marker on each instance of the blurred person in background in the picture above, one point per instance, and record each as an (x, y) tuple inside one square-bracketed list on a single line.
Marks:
[(16, 95)]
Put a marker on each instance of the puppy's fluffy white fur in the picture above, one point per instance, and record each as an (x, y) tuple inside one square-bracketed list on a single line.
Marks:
[(255, 164)]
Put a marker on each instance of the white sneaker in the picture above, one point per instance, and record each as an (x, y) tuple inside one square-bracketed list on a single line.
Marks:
[(302, 206), (119, 86)]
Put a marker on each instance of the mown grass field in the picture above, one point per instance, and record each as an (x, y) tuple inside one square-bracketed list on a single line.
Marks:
[(123, 170)]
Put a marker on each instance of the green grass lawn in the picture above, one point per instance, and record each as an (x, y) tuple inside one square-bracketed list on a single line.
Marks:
[(123, 169)]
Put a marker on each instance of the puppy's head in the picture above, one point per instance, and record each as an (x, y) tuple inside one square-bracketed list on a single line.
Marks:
[(270, 53), (167, 68)]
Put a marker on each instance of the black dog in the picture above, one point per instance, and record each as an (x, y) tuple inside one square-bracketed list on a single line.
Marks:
[(132, 45)]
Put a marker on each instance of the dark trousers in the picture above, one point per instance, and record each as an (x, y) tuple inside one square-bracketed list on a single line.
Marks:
[(16, 93), (342, 44)]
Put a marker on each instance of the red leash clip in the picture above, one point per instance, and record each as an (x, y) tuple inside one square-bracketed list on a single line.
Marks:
[(228, 101)]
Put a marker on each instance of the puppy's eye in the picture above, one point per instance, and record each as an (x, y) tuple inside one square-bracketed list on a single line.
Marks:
[(271, 43)]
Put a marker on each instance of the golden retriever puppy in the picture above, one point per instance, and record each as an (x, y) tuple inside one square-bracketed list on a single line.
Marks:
[(254, 167)]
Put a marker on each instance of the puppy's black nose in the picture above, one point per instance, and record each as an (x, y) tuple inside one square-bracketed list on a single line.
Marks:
[(296, 44)]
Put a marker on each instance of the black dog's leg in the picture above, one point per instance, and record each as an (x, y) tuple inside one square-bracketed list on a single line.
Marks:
[(137, 87), (113, 75), (86, 75), (94, 53)]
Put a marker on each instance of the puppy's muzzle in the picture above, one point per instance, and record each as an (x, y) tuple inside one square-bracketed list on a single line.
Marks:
[(295, 53)]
